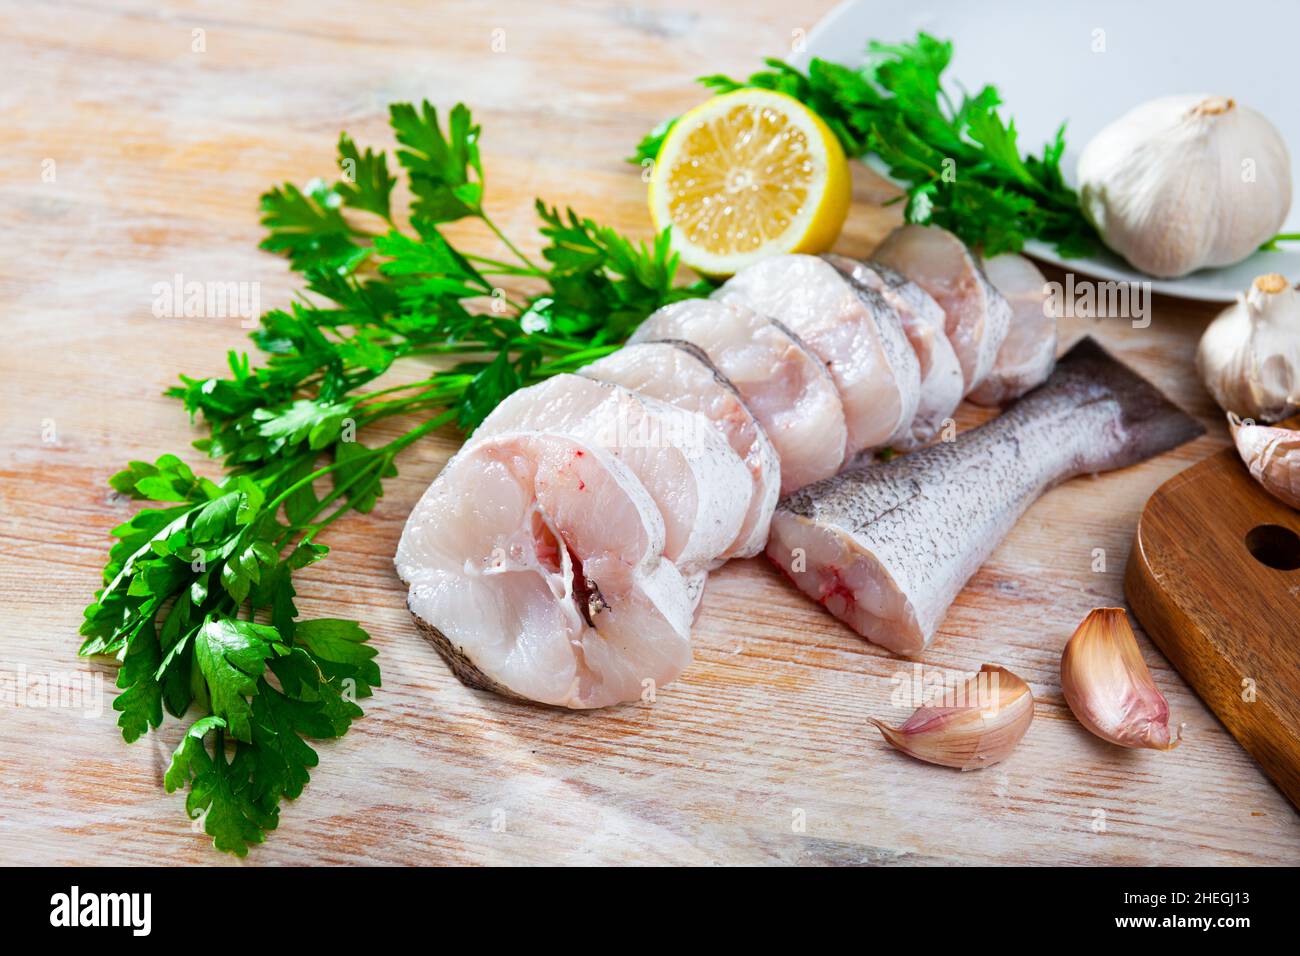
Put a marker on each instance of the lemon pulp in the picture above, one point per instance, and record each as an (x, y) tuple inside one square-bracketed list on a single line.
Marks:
[(749, 174)]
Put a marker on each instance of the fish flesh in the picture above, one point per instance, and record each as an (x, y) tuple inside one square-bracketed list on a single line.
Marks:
[(942, 383), (977, 317), (700, 485), (535, 567), (681, 374), (852, 329), (886, 548), (1029, 350), (787, 388)]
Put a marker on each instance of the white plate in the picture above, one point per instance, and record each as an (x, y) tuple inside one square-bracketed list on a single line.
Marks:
[(1040, 57)]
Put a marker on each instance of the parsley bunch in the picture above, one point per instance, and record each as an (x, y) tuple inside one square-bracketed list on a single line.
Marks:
[(959, 161), (198, 596)]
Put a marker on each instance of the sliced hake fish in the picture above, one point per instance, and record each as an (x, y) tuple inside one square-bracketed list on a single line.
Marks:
[(923, 320), (977, 318), (701, 486), (680, 374), (787, 388), (535, 566), (886, 548), (1029, 351), (853, 330)]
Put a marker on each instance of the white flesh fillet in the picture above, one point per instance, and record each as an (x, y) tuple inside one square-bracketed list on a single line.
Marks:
[(855, 332), (977, 316), (923, 320), (682, 375), (534, 564), (701, 486), (1029, 352), (786, 387)]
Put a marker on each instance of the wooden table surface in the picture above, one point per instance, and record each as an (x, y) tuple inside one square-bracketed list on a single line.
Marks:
[(762, 752)]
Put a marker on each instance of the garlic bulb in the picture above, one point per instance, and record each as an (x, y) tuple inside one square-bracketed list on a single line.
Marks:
[(1108, 686), (979, 726), (1249, 355), (1184, 182), (1272, 455)]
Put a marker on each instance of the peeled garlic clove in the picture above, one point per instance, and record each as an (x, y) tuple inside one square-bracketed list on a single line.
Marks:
[(988, 716), (1108, 686), (1184, 182), (1249, 355), (1272, 455)]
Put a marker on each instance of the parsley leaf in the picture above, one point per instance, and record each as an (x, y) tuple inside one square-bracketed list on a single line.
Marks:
[(232, 656), (444, 170), (309, 227), (367, 184)]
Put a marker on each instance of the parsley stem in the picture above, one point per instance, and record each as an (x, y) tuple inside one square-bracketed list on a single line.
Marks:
[(497, 266), (311, 525), (575, 359), (563, 345), (512, 247), (415, 434), (432, 396), (375, 474), (435, 380), (380, 459)]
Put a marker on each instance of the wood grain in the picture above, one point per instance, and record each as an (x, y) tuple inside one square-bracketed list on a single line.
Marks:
[(1223, 603), (762, 752)]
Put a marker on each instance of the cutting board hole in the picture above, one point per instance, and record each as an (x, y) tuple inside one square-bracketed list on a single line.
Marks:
[(1275, 546)]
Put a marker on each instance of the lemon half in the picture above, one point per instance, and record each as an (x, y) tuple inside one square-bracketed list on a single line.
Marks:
[(746, 175)]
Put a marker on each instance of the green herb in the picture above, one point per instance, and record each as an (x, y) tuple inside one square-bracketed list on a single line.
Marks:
[(198, 596), (1272, 244), (959, 162)]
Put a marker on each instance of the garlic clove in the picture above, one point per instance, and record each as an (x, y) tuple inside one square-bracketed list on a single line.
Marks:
[(1249, 355), (1108, 686), (990, 713), (1272, 455)]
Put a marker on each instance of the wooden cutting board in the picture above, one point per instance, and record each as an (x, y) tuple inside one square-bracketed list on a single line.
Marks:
[(762, 751), (1214, 577)]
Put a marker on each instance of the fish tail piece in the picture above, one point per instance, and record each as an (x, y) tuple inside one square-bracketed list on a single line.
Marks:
[(1152, 423)]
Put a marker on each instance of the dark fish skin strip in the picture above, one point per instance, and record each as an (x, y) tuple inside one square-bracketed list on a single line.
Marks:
[(925, 522), (697, 353)]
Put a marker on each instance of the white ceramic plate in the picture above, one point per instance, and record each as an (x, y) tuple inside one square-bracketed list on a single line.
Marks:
[(1040, 56)]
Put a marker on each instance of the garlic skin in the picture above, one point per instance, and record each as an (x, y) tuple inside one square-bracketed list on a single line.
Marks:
[(1180, 183), (1272, 455), (996, 712), (1108, 686), (1249, 355)]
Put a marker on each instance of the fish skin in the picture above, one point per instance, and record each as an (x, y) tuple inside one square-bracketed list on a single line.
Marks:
[(1029, 350), (787, 388), (700, 484), (680, 373), (888, 547), (977, 316), (942, 383), (852, 329)]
